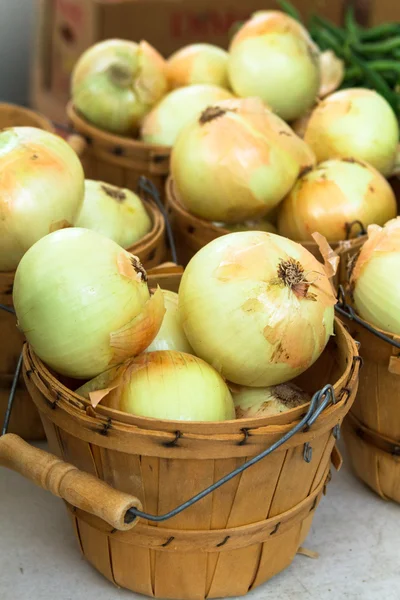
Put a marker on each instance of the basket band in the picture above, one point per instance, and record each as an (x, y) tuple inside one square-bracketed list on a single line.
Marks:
[(373, 438)]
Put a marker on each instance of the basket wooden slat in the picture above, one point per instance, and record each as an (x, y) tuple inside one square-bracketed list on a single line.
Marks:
[(12, 115), (119, 160), (229, 542), (152, 249)]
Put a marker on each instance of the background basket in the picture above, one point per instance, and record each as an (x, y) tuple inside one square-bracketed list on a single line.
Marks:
[(115, 159), (25, 419), (252, 526)]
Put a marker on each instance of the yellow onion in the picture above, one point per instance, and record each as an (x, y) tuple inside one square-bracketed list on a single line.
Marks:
[(331, 196), (356, 123), (164, 123), (256, 306), (164, 385), (273, 57), (237, 161), (41, 189), (116, 82), (83, 303), (115, 212), (332, 73), (268, 401), (171, 335), (198, 63), (375, 281)]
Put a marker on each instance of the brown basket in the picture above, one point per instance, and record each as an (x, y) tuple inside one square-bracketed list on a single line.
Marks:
[(25, 419), (118, 160), (192, 233), (372, 428), (232, 540), (151, 249)]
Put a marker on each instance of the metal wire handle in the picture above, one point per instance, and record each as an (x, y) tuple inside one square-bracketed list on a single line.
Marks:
[(349, 227), (345, 310)]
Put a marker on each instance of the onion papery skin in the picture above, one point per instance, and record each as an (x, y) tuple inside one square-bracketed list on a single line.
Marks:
[(266, 402), (164, 123), (375, 281), (115, 83), (333, 195), (237, 161), (355, 123), (198, 63), (41, 189), (164, 385), (273, 57), (240, 315), (115, 212), (171, 335), (83, 303)]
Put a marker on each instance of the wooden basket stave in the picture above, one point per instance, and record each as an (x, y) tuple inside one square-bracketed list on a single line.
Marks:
[(252, 526), (119, 160)]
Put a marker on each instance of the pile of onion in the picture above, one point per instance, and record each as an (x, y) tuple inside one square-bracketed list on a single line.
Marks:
[(198, 63), (115, 83), (355, 123), (164, 385), (171, 335), (375, 281), (237, 161), (273, 57), (164, 123), (115, 212), (333, 195), (83, 303), (42, 188), (256, 306)]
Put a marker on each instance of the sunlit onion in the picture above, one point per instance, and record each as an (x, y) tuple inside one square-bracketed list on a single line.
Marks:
[(83, 302), (268, 401), (237, 161), (41, 189), (375, 281), (256, 306), (198, 63), (171, 335), (273, 57), (115, 212), (116, 82), (355, 123), (333, 195), (164, 123), (164, 385)]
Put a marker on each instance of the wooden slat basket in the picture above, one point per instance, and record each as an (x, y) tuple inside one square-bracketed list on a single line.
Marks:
[(192, 233), (25, 419), (116, 159), (232, 540)]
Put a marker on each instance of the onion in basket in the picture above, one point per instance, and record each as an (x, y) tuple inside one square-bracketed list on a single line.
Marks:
[(198, 63), (116, 82), (256, 306), (356, 123), (268, 401), (41, 183), (375, 281), (331, 196), (237, 161), (272, 56), (83, 302), (171, 335), (115, 212), (164, 385), (164, 123)]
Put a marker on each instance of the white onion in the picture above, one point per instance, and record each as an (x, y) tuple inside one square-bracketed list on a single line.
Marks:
[(269, 401), (171, 335), (198, 63)]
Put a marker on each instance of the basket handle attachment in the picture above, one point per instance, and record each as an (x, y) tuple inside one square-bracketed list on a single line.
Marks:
[(66, 481), (350, 226)]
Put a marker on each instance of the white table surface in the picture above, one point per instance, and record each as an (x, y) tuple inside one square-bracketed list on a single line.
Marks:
[(356, 534)]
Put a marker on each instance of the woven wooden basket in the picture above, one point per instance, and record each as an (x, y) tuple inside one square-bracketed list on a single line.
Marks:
[(25, 419), (233, 539), (151, 249), (115, 159), (192, 233)]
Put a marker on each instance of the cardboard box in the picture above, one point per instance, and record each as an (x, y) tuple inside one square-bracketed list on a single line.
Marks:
[(65, 28)]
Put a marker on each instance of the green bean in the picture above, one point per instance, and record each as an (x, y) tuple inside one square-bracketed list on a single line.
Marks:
[(289, 9), (336, 31), (378, 47), (376, 81), (327, 41), (380, 31), (351, 25)]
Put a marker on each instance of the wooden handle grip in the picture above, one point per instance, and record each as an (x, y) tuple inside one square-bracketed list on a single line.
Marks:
[(77, 143), (66, 481)]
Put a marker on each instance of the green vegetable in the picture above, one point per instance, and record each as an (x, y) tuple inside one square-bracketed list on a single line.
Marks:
[(289, 9)]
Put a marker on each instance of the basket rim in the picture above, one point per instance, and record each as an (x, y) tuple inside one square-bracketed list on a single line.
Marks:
[(235, 426), (155, 233), (45, 123)]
